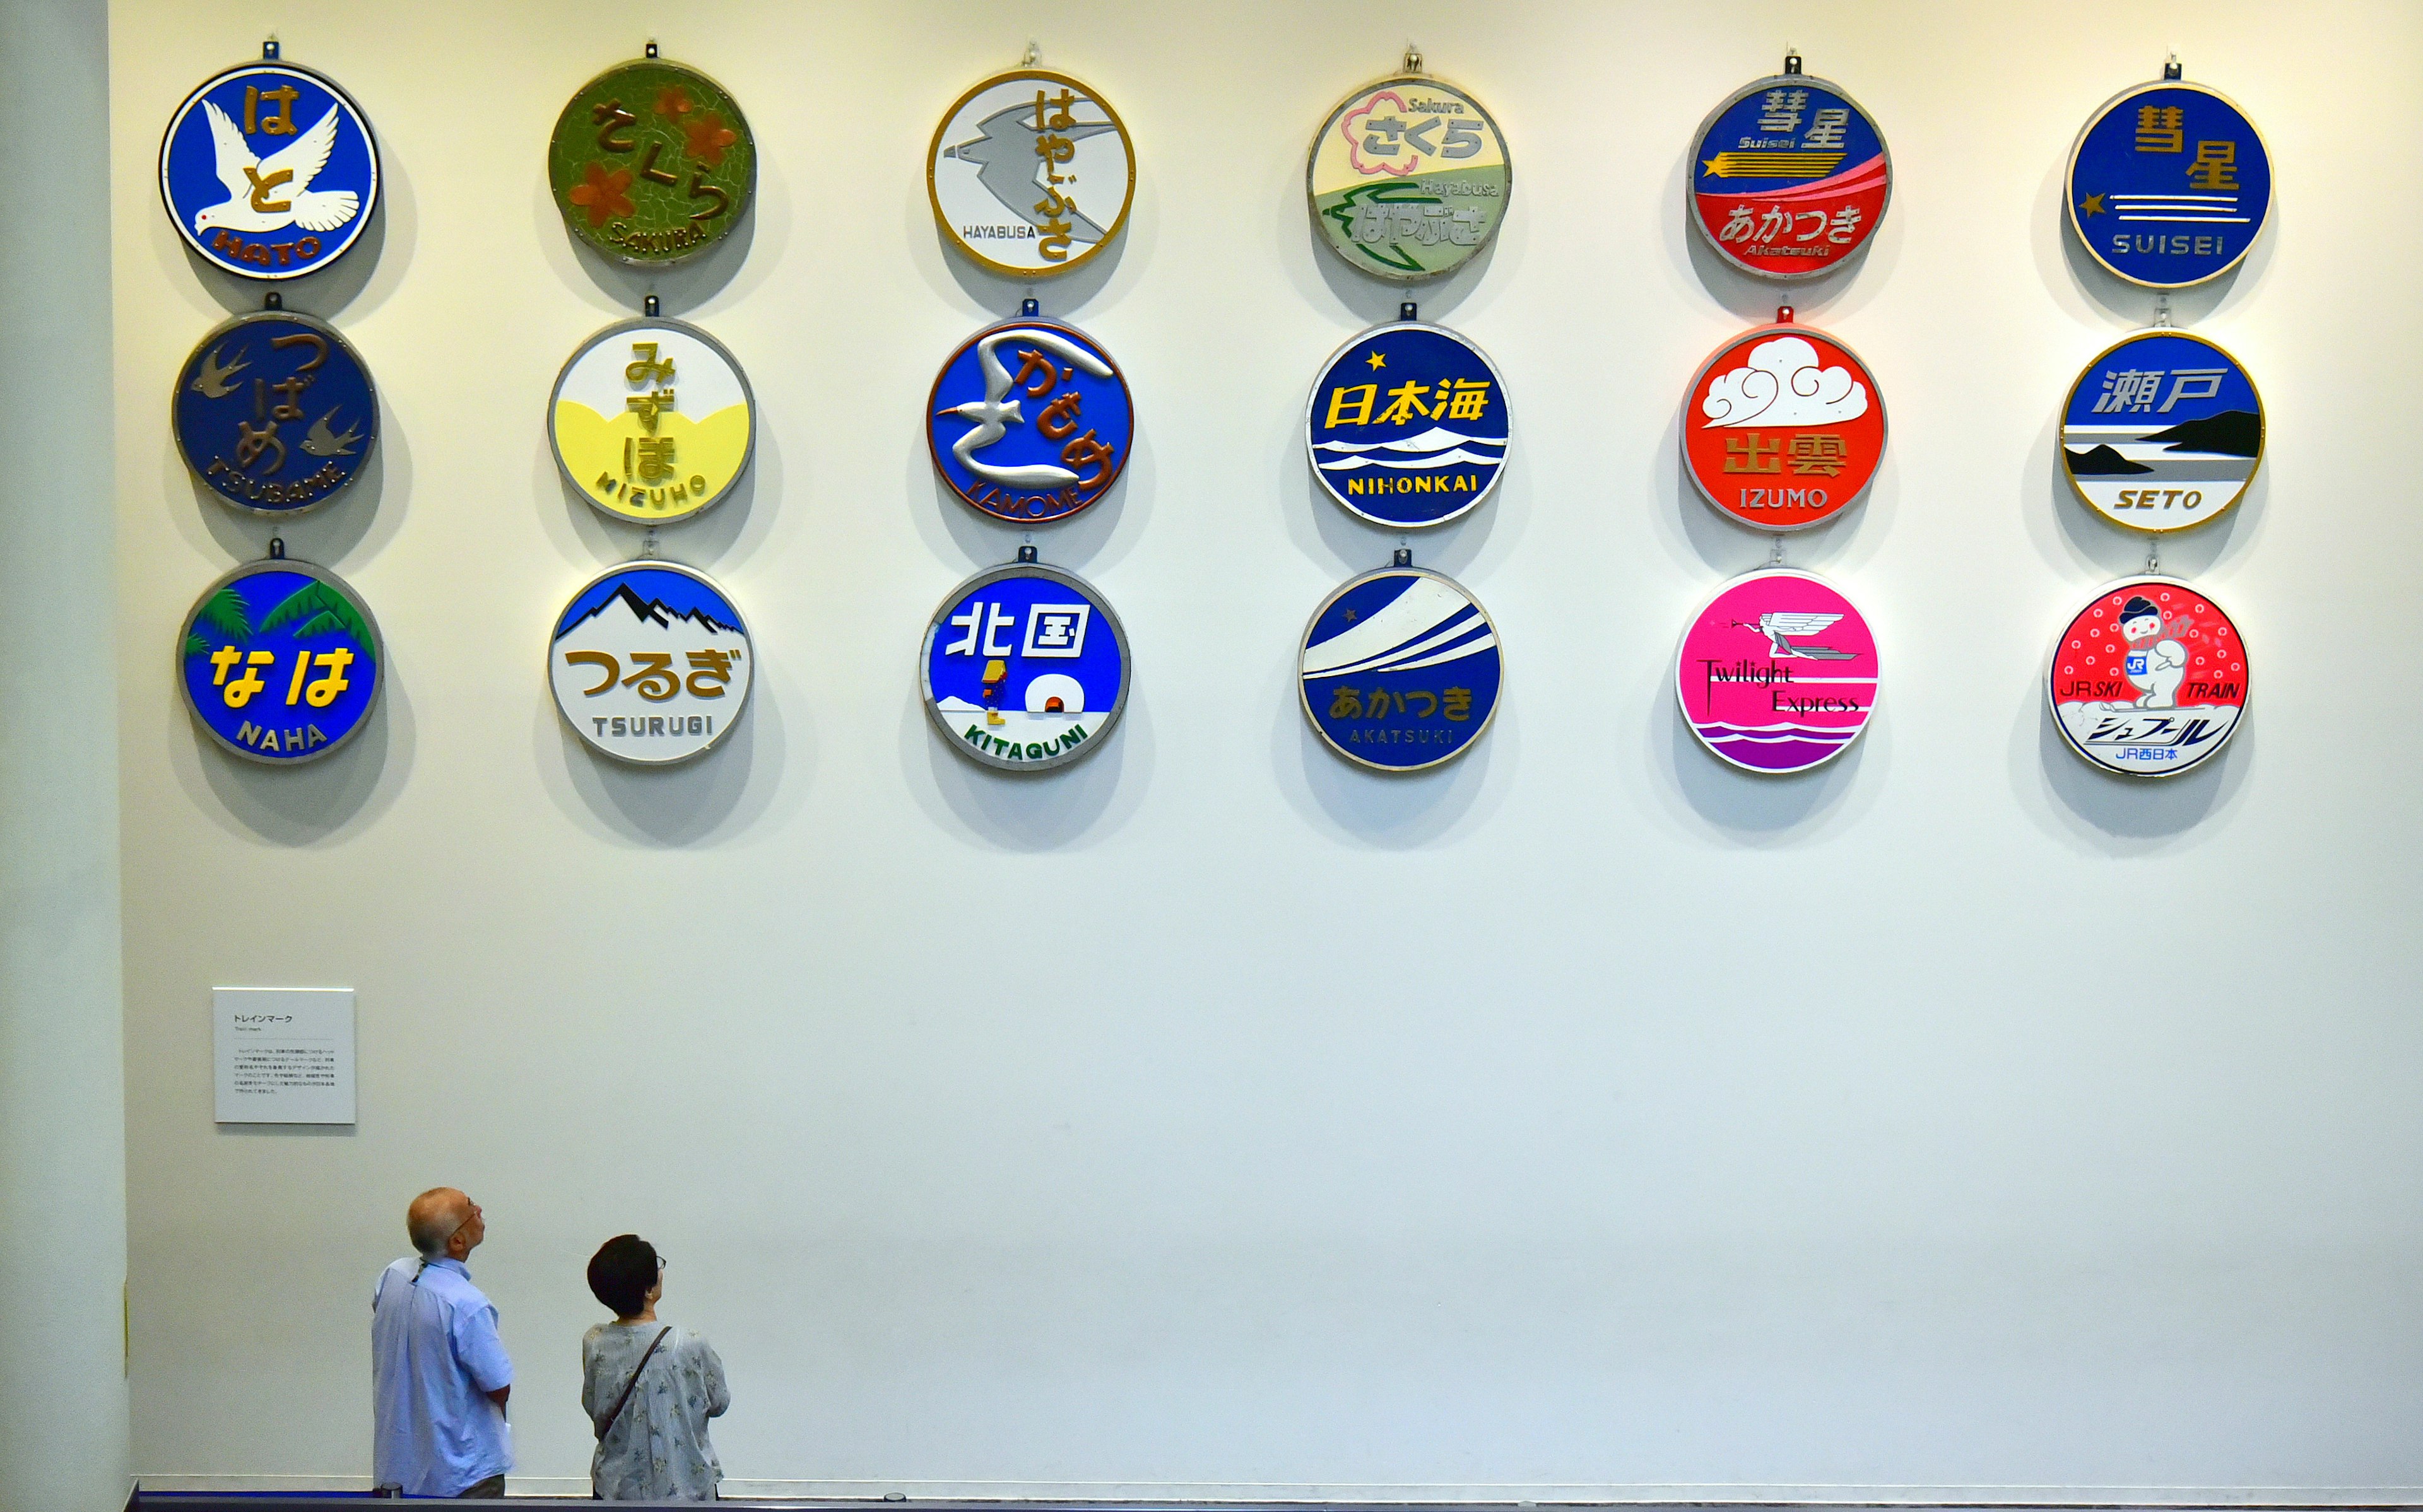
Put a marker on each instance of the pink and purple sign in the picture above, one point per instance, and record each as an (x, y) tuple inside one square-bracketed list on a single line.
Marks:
[(1778, 672)]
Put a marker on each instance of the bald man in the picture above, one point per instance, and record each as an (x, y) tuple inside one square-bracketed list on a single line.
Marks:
[(438, 1373)]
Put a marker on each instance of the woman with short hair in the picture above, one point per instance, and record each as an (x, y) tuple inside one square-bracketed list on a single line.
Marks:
[(648, 1387)]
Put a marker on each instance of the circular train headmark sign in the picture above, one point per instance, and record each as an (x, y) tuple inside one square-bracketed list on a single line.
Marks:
[(1408, 179), (1024, 668), (1777, 672), (652, 162), (1030, 420), (2150, 678), (281, 662), (651, 664), (1031, 173), (1401, 669), (1407, 425), (1790, 178), (653, 421), (2169, 184), (269, 170), (275, 412), (2162, 432), (1783, 427)]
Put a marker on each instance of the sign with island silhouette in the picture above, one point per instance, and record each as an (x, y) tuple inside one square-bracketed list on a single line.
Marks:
[(2162, 432)]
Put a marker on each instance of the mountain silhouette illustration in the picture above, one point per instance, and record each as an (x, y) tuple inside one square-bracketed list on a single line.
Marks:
[(653, 610), (2231, 432), (2101, 462)]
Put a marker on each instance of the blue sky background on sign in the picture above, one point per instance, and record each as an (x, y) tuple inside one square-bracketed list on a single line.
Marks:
[(961, 675), (1417, 434), (678, 591), (1856, 140), (1074, 403), (193, 176), (2175, 389), (2157, 178), (1418, 700), (286, 614)]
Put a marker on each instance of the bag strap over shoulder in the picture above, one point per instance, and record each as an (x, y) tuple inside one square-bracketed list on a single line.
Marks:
[(631, 1385)]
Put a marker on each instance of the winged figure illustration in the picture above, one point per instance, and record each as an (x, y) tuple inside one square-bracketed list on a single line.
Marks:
[(990, 416), (213, 381), (322, 442), (1780, 627), (273, 193), (1006, 165)]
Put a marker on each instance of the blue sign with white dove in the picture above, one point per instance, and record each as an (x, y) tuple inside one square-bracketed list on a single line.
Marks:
[(1025, 668), (275, 412), (1407, 425), (269, 170), (1030, 420)]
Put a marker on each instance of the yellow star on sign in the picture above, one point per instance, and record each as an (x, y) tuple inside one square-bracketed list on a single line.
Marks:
[(1378, 362), (2091, 205)]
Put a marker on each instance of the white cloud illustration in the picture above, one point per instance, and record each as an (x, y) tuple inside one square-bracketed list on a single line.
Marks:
[(1784, 386)]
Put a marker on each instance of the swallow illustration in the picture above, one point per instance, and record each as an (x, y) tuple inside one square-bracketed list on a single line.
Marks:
[(320, 442), (992, 414), (1006, 165), (273, 193), (1779, 628), (212, 381)]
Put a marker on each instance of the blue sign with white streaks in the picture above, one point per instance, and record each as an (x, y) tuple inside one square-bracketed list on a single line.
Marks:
[(2169, 184), (1407, 425), (269, 170), (1401, 669)]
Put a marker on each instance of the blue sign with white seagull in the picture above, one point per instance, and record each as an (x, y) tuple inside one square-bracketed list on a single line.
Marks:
[(275, 412), (269, 170), (2169, 184), (1025, 668), (1030, 420), (1401, 669), (279, 661), (1407, 425)]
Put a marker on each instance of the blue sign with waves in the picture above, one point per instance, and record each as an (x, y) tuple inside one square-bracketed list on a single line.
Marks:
[(1407, 425)]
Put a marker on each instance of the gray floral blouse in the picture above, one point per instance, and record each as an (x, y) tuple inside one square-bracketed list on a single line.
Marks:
[(657, 1451)]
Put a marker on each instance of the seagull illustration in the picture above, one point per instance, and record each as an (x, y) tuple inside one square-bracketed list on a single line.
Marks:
[(320, 442), (1006, 164), (271, 194), (992, 413), (1779, 629), (212, 381)]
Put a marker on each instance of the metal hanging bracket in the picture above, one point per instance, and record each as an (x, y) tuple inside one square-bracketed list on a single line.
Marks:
[(2153, 553), (1033, 54), (1408, 311), (1402, 558), (269, 49), (2162, 310), (1412, 59), (277, 548), (1030, 308), (1774, 551), (1791, 58), (650, 304), (1026, 555), (652, 47), (648, 545), (273, 299), (1782, 314), (2170, 70)]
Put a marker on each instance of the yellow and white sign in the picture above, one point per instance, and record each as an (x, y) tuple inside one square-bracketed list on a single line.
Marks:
[(653, 421)]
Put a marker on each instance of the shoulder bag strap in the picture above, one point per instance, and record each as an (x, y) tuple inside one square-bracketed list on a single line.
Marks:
[(623, 1400)]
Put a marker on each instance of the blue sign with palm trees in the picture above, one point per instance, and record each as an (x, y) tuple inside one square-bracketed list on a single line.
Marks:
[(280, 661)]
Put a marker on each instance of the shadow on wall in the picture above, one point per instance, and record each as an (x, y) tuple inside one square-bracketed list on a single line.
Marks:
[(317, 802), (726, 791), (1063, 808)]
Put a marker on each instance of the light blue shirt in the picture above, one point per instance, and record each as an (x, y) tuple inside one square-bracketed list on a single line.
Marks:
[(435, 1357)]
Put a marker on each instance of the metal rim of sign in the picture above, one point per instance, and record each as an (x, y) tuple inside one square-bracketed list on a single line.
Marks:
[(1313, 160), (1876, 395), (652, 322), (1312, 403), (745, 193), (1700, 137), (354, 227), (2053, 671), (2070, 182), (731, 722), (2262, 430), (217, 334), (934, 395), (1304, 643), (1076, 260), (335, 584), (1683, 642), (934, 627)]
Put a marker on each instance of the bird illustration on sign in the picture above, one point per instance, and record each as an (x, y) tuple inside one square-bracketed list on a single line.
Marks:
[(1779, 628), (271, 194)]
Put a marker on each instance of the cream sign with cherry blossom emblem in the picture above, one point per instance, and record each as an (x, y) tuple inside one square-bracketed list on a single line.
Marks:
[(1783, 427), (2150, 678), (1408, 178)]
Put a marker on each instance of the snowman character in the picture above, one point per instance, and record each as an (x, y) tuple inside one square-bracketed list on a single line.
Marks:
[(2156, 663)]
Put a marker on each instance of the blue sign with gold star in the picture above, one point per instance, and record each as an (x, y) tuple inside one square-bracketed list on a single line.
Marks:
[(1407, 425), (1400, 670), (269, 170), (275, 412), (279, 661), (2169, 184)]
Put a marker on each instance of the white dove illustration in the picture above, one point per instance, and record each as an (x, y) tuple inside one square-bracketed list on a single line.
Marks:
[(990, 416), (271, 194)]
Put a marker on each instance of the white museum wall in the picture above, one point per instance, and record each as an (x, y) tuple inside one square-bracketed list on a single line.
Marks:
[(63, 1393), (1213, 1119)]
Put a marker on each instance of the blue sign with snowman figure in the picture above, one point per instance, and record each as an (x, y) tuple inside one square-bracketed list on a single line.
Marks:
[(1025, 668), (269, 170), (1407, 425), (2169, 184), (1030, 420), (280, 661), (275, 412)]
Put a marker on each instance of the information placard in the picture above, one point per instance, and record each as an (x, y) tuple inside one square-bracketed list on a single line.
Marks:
[(283, 1055)]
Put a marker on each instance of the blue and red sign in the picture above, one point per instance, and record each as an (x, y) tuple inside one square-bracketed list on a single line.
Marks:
[(2169, 184), (269, 170), (279, 662), (1030, 421), (1790, 178)]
